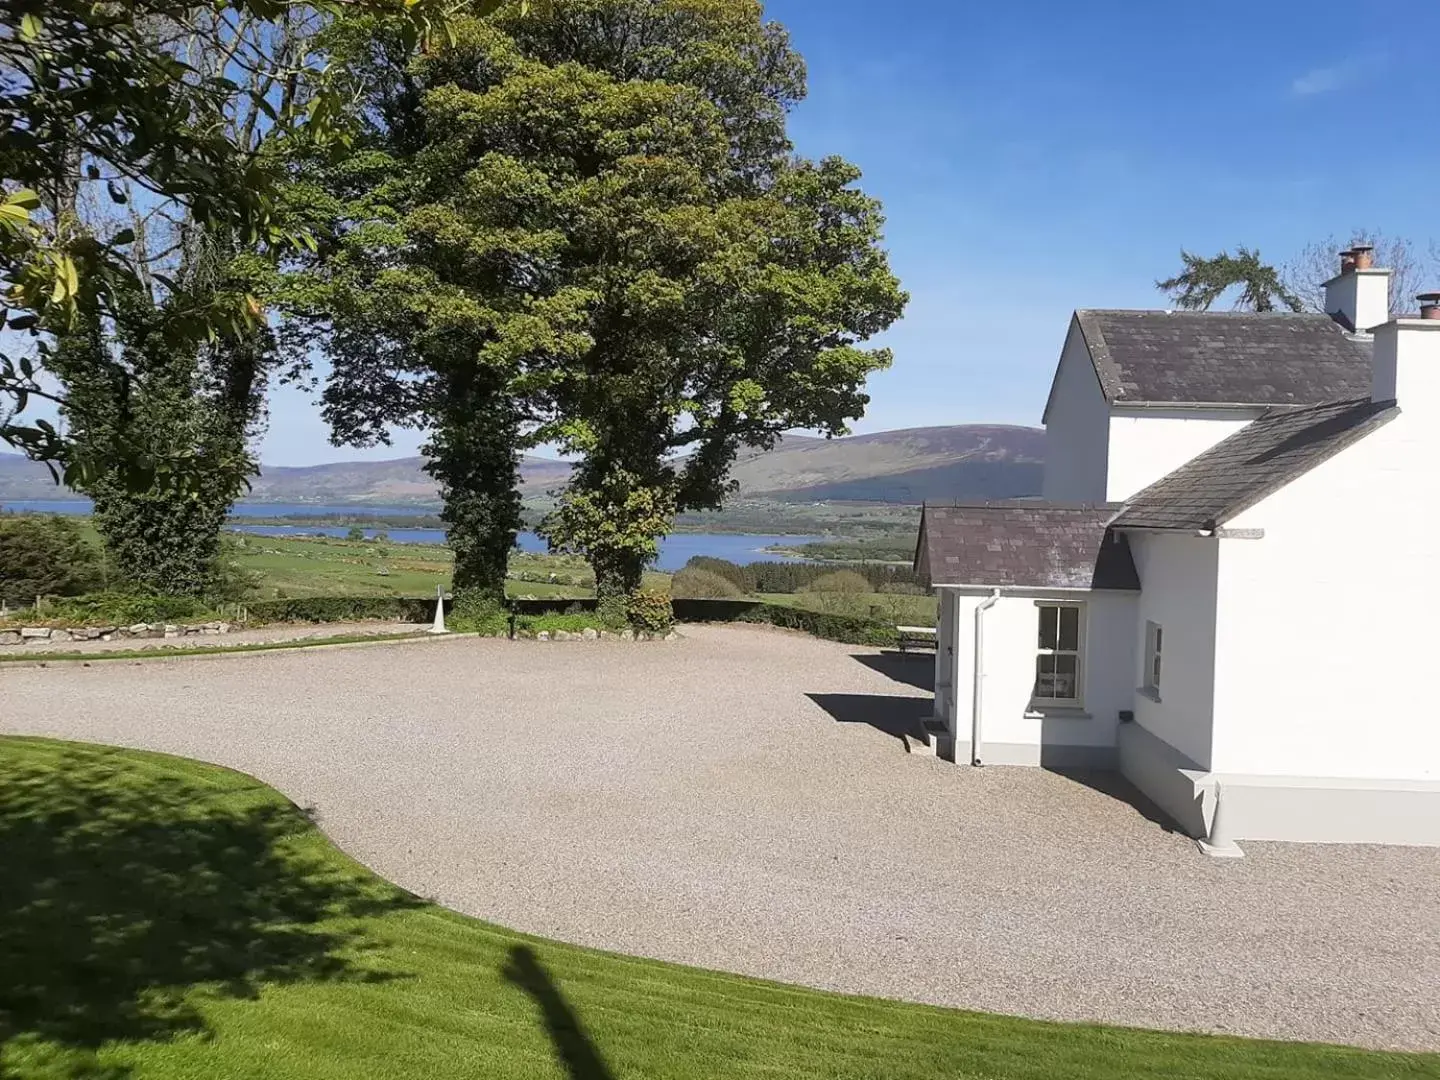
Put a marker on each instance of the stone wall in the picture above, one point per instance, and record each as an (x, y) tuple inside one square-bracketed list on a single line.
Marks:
[(43, 635)]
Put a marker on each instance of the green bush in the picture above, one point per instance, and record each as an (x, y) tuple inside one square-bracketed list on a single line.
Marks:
[(322, 609), (355, 534), (44, 556), (122, 609), (839, 581), (843, 628), (903, 588), (739, 576), (649, 609), (694, 583)]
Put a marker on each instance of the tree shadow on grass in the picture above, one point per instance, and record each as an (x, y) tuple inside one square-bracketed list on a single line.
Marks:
[(573, 1047), (129, 895)]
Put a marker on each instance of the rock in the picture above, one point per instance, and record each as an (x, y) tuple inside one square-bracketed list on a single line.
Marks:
[(171, 630), (210, 631), (107, 637), (590, 634), (35, 633), (627, 634), (607, 635), (213, 626), (10, 637), (60, 635), (563, 635), (139, 629), (192, 630), (672, 636), (641, 635), (103, 630), (224, 627), (542, 635)]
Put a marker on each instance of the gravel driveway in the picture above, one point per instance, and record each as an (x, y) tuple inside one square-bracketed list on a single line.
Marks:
[(740, 800)]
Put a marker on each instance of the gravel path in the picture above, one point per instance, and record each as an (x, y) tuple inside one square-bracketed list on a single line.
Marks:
[(721, 801)]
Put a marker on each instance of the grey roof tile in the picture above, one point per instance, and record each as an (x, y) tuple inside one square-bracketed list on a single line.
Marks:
[(1231, 358), (1024, 543), (1255, 462)]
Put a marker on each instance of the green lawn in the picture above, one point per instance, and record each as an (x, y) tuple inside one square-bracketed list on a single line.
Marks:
[(163, 918)]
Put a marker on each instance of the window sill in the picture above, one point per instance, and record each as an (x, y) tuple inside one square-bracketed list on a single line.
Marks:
[(1149, 692), (1056, 712)]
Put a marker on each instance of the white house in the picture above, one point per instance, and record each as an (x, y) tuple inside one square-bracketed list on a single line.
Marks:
[(1230, 586)]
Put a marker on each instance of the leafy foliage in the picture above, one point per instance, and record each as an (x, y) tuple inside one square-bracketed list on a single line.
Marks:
[(839, 581), (99, 102), (791, 577), (695, 583), (1203, 281), (44, 556), (123, 608), (583, 225), (649, 609)]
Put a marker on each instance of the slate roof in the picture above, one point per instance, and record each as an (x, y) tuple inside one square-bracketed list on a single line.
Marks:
[(1223, 358), (1255, 462), (1024, 542)]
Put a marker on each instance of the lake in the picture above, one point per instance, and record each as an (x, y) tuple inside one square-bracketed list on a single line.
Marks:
[(675, 550)]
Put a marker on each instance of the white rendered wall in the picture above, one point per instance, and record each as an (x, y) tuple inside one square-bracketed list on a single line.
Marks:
[(1178, 575), (1147, 444), (1011, 638), (1076, 427), (1326, 665)]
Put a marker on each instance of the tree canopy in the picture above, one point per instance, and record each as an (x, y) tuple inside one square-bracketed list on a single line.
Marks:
[(585, 226), (1204, 280)]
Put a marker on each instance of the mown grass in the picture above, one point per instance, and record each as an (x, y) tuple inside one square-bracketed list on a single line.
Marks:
[(161, 918)]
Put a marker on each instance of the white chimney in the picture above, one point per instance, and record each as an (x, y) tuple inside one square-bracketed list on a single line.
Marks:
[(1406, 366), (1358, 298)]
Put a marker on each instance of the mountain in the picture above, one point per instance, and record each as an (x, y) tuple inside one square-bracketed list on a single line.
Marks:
[(909, 466)]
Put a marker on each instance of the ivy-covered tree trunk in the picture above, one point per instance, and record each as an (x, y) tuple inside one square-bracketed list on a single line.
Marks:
[(618, 576), (473, 458)]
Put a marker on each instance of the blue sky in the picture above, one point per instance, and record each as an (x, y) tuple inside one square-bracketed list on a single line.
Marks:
[(1037, 156)]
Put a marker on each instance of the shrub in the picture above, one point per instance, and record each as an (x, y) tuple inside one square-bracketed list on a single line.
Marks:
[(343, 609), (842, 628), (693, 583), (44, 556), (122, 609), (840, 581), (649, 609), (354, 534), (903, 588), (741, 577)]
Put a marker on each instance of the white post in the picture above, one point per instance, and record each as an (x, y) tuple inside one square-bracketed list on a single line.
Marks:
[(439, 625), (1219, 844)]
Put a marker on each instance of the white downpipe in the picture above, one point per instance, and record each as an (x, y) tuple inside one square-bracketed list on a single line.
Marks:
[(977, 692)]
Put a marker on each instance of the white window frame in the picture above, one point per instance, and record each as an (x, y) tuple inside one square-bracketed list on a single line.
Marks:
[(1154, 658), (1078, 701)]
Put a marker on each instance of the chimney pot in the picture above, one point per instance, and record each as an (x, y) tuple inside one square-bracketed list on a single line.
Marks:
[(1347, 261), (1364, 256), (1429, 305)]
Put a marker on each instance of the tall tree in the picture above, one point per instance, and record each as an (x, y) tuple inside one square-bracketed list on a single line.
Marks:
[(585, 226), (90, 95), (1204, 280), (1412, 268)]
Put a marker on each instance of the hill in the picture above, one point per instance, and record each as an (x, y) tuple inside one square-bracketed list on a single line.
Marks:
[(908, 466)]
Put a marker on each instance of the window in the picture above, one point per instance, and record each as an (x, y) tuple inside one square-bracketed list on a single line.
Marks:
[(1154, 644), (1057, 660)]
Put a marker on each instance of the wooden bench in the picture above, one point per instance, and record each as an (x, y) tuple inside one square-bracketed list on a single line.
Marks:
[(921, 637)]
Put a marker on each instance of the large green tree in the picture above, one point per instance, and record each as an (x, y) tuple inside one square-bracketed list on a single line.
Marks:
[(99, 100), (1202, 281), (584, 225)]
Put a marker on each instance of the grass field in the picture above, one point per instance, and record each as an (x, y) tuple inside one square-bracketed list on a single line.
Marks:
[(165, 919)]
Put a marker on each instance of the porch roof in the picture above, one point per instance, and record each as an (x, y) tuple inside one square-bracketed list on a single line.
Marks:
[(1024, 543)]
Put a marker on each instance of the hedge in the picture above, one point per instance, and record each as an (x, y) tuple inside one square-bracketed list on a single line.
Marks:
[(843, 628), (323, 609)]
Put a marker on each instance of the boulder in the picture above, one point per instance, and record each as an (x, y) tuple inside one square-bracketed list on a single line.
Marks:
[(672, 636), (627, 634), (563, 635), (35, 633), (224, 627), (60, 635), (10, 637), (139, 629), (171, 630), (590, 634), (542, 635)]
